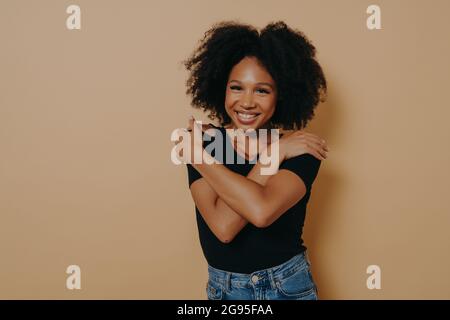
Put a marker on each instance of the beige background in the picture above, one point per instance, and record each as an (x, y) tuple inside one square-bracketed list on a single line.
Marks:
[(85, 170)]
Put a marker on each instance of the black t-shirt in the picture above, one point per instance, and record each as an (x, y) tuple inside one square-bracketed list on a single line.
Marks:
[(256, 248)]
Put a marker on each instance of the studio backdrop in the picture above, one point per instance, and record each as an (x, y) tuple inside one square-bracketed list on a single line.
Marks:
[(90, 92)]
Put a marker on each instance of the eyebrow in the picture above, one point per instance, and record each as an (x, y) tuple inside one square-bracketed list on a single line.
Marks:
[(260, 83)]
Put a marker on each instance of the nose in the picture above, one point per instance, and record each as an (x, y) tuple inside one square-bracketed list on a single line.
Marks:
[(247, 101)]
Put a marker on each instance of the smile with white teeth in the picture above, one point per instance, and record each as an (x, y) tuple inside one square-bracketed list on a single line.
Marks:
[(247, 116)]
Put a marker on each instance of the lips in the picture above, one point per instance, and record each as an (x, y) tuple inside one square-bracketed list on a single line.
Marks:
[(246, 117)]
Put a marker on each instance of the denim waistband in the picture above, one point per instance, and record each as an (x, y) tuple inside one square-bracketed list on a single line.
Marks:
[(264, 277)]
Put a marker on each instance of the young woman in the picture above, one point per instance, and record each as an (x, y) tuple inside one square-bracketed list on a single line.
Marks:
[(250, 224)]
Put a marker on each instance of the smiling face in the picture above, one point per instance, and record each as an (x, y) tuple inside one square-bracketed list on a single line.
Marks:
[(251, 95)]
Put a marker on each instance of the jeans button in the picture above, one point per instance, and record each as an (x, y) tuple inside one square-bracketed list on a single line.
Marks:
[(255, 278)]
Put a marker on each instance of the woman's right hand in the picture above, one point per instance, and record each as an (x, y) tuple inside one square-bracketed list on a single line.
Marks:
[(300, 142)]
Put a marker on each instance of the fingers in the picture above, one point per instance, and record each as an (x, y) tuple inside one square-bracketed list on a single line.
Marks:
[(191, 123), (321, 146), (322, 152), (316, 152), (317, 146), (317, 155), (316, 142), (322, 149), (312, 136)]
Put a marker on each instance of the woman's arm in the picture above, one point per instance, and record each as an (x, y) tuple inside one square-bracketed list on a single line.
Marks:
[(223, 221), (252, 201), (261, 205)]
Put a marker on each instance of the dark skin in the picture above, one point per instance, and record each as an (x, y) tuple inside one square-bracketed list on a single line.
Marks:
[(228, 201)]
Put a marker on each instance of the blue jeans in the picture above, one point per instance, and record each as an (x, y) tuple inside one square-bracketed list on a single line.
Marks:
[(291, 280)]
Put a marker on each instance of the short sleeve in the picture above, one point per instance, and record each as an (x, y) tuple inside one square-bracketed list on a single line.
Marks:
[(305, 166), (193, 174)]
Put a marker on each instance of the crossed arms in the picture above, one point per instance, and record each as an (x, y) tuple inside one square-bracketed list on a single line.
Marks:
[(228, 201)]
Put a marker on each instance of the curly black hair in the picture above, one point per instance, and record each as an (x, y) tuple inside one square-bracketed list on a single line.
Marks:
[(287, 54)]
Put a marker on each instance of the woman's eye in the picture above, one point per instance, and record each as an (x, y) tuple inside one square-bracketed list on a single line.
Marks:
[(263, 91), (235, 88)]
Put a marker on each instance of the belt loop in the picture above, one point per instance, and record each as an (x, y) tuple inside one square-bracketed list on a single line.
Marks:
[(271, 278), (228, 282)]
